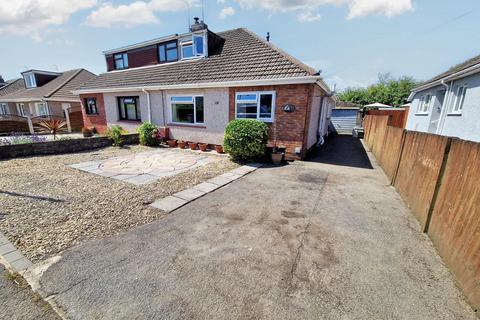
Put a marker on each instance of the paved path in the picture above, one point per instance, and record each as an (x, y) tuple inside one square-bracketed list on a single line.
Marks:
[(17, 302), (307, 240)]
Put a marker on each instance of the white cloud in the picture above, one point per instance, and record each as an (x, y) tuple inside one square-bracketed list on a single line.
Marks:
[(136, 13), (357, 8), (308, 16), (33, 17), (129, 15), (389, 8), (226, 12)]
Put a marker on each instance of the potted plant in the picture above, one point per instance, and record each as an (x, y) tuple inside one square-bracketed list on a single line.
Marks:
[(192, 145), (277, 156), (172, 143), (219, 148), (87, 132), (182, 144), (203, 146)]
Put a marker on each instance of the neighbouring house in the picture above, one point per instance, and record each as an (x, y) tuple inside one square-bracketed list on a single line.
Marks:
[(41, 95), (195, 83), (449, 104)]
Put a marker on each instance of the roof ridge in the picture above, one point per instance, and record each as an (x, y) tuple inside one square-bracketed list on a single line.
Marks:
[(289, 57), (77, 71)]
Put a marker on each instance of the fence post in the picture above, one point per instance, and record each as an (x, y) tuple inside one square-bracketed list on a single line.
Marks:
[(30, 124), (400, 154), (438, 184)]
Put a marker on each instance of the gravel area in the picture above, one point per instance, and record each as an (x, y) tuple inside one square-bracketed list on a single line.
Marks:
[(47, 207)]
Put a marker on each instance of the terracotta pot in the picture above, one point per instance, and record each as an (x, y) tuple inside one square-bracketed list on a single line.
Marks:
[(192, 145), (172, 143), (182, 144), (203, 146), (219, 148), (277, 158)]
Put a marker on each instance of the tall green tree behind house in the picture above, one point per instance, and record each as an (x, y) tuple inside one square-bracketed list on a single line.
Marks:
[(388, 90)]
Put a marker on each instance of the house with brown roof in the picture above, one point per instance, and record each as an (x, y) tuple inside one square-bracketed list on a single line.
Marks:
[(43, 94), (448, 104), (195, 83)]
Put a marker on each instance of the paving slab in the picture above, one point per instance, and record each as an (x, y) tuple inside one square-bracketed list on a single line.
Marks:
[(21, 264), (169, 203), (6, 248), (189, 194), (206, 187), (141, 179)]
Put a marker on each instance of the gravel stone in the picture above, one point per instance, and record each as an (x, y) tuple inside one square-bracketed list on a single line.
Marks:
[(47, 206)]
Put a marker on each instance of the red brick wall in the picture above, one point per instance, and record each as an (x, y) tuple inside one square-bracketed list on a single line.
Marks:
[(97, 121), (292, 128), (137, 58)]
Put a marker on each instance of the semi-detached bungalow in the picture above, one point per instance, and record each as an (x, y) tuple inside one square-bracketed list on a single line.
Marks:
[(195, 83)]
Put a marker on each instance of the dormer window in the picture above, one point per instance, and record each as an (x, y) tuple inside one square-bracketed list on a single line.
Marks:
[(30, 81), (168, 52), (121, 61), (193, 46)]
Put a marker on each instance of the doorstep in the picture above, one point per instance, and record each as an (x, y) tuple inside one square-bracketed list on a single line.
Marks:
[(179, 199)]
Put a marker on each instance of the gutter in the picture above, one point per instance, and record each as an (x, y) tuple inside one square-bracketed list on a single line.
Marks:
[(242, 83), (460, 74)]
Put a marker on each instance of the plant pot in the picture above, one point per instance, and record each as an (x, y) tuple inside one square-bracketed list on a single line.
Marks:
[(219, 149), (277, 158), (182, 144), (203, 146), (172, 143), (192, 145)]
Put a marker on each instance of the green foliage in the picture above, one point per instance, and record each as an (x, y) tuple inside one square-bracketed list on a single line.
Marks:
[(115, 133), (387, 90), (146, 133), (245, 139)]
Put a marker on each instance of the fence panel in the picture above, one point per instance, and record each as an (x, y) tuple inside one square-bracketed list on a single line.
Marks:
[(380, 132), (397, 117), (418, 171), (455, 222), (388, 157)]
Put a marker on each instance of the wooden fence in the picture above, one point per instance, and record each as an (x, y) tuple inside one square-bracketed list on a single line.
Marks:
[(438, 177), (397, 117)]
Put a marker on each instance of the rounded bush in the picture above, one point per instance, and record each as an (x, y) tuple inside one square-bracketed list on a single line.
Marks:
[(245, 139), (147, 135)]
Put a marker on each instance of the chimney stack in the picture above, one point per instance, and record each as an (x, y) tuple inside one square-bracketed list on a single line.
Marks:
[(198, 25), (268, 36)]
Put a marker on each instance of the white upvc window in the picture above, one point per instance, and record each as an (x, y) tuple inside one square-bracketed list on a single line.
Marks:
[(460, 94), (30, 81), (424, 103), (193, 46), (187, 109), (255, 105), (42, 108), (21, 109), (3, 108)]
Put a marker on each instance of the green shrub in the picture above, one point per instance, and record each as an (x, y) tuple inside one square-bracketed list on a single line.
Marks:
[(115, 133), (146, 134), (245, 139)]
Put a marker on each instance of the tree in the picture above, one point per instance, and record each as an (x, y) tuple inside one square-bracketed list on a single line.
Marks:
[(387, 90)]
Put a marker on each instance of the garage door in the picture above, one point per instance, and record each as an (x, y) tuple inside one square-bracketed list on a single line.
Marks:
[(343, 120)]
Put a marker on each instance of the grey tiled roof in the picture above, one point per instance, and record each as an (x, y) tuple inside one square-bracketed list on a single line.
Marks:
[(59, 88), (244, 56), (459, 67), (12, 86)]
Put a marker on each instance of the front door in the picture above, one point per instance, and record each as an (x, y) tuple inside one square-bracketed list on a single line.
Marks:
[(436, 111)]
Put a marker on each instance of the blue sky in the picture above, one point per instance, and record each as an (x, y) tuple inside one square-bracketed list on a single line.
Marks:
[(351, 41)]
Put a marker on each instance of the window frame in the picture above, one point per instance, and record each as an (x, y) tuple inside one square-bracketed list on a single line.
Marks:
[(193, 101), (190, 42), (37, 108), (20, 109), (457, 107), (165, 51), (124, 59), (258, 94), (3, 108), (87, 108), (138, 115), (423, 106), (31, 82)]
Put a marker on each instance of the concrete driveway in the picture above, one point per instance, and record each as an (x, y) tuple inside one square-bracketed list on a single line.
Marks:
[(308, 240)]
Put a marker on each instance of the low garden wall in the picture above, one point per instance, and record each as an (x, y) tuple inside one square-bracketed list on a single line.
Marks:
[(61, 146)]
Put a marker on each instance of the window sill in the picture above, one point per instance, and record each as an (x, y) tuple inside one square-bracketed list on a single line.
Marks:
[(200, 126), (128, 120), (92, 114), (421, 114), (454, 114)]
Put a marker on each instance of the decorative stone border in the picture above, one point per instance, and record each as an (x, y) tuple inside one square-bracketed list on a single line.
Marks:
[(179, 199), (11, 257)]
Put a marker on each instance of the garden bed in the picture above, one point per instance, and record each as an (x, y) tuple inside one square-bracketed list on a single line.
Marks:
[(47, 206)]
